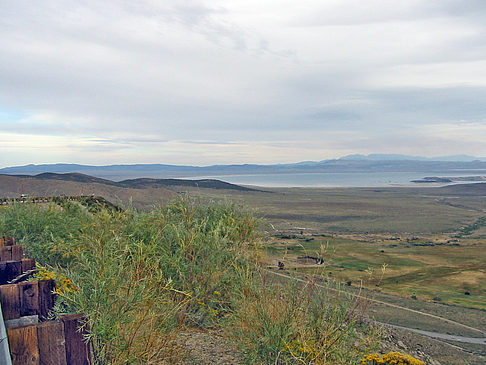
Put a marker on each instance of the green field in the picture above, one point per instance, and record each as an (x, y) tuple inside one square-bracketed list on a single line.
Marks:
[(431, 243), (443, 273)]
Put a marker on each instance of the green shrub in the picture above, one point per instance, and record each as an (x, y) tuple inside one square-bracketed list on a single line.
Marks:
[(294, 323), (139, 278), (38, 226)]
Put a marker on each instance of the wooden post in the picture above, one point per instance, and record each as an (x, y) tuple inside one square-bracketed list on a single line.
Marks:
[(6, 253), (24, 345), (9, 241), (10, 299), (14, 269), (29, 298), (47, 297), (52, 349), (11, 253), (77, 351), (9, 270), (17, 252), (28, 264), (3, 272)]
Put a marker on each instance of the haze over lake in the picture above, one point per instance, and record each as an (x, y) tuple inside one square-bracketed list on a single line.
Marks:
[(339, 179)]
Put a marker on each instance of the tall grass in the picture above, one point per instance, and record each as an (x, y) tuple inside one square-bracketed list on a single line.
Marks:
[(38, 226), (290, 322), (139, 278)]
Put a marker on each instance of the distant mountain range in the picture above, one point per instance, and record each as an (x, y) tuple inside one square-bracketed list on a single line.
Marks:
[(351, 163), (395, 157)]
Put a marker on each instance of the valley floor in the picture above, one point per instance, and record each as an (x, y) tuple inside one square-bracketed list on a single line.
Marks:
[(422, 249), (418, 248)]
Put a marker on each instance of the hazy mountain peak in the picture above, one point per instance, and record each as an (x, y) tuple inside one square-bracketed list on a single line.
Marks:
[(399, 157)]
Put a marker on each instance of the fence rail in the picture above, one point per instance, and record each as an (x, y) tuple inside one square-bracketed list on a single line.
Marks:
[(57, 342), (25, 306)]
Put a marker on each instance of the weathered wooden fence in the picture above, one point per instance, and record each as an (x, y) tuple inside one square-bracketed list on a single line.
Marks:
[(12, 261), (32, 338), (31, 298), (57, 342)]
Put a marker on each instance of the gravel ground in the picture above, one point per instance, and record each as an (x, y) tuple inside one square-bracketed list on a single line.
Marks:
[(433, 352), (207, 347)]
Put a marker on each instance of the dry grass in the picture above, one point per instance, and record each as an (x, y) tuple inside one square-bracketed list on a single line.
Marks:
[(290, 323), (140, 278)]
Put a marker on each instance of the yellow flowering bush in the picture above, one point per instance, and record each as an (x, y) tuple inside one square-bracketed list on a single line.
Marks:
[(64, 285), (212, 306), (391, 358), (306, 350)]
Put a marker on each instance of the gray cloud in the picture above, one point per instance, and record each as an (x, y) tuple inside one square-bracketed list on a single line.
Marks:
[(355, 12), (222, 80)]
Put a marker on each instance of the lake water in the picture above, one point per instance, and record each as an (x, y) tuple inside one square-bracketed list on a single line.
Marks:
[(339, 179)]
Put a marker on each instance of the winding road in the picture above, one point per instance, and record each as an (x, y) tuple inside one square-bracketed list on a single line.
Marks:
[(437, 335)]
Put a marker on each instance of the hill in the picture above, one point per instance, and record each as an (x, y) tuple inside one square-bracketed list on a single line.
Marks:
[(10, 186), (140, 183), (397, 157), (142, 192), (352, 163), (73, 176), (464, 189), (144, 183)]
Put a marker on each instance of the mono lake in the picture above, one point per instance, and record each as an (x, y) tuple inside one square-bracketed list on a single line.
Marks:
[(340, 179)]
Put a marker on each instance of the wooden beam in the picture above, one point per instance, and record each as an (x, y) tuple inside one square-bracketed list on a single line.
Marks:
[(9, 270), (52, 349), (6, 253), (47, 297), (29, 298), (24, 346), (17, 252), (10, 299), (28, 264), (77, 351), (9, 241)]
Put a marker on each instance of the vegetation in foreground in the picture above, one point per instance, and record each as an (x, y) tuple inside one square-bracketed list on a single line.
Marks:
[(391, 358), (140, 278)]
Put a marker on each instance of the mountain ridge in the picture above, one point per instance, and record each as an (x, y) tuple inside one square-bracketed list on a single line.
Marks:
[(399, 157), (350, 163), (138, 183)]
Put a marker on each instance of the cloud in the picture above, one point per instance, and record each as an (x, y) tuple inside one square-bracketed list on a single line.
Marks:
[(356, 12), (247, 81)]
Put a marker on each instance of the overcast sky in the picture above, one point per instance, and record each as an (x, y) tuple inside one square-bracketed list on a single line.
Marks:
[(239, 81)]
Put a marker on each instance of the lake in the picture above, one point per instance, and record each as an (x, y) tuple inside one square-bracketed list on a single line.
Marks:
[(338, 179)]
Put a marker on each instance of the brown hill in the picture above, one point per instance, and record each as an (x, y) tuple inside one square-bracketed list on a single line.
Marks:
[(140, 183), (141, 192), (11, 187)]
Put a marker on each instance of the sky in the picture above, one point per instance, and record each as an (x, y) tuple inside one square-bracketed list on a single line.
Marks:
[(239, 81)]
